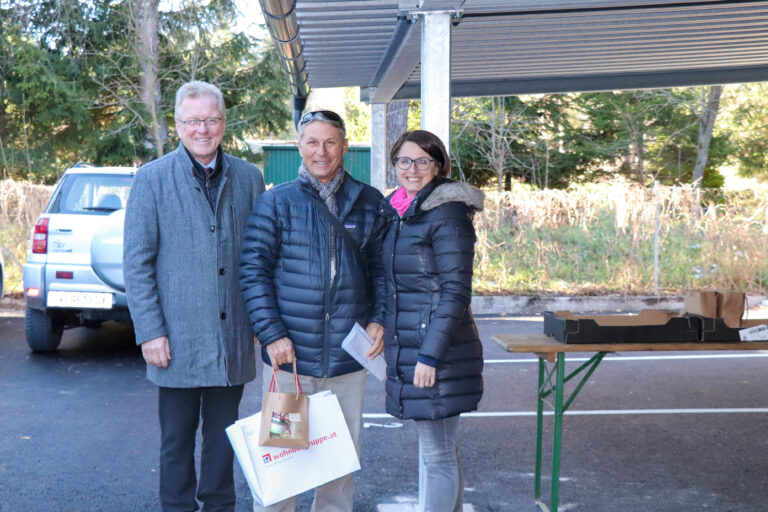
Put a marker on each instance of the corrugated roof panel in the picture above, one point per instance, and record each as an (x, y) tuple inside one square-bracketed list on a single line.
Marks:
[(344, 39), (600, 41)]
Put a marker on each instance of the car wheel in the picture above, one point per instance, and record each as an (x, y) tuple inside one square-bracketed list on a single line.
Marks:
[(43, 330)]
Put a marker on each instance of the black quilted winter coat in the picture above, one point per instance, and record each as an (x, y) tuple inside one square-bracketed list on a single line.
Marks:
[(428, 263), (285, 273)]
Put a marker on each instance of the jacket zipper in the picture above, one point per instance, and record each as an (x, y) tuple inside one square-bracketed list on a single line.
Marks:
[(396, 237), (327, 322)]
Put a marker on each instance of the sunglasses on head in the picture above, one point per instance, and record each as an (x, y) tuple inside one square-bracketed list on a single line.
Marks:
[(329, 115)]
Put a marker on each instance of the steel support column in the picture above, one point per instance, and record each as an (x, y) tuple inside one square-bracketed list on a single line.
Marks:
[(436, 75)]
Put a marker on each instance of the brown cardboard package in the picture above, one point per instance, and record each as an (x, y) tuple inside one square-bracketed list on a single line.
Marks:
[(721, 314), (701, 302), (725, 304)]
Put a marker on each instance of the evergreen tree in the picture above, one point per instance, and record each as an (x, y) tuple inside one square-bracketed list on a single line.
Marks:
[(71, 82)]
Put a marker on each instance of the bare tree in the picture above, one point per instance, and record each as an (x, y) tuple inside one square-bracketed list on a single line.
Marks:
[(492, 130), (710, 103), (128, 76), (145, 20)]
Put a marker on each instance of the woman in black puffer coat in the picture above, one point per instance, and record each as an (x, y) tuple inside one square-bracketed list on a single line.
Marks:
[(433, 352)]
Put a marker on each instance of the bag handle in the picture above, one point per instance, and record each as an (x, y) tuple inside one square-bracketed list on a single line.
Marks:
[(274, 386)]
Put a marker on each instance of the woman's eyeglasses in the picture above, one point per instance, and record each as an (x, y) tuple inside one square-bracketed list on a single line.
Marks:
[(422, 164)]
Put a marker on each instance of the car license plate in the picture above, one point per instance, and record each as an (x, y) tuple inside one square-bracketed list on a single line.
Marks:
[(92, 300)]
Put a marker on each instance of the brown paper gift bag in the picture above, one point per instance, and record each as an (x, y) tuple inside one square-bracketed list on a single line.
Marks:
[(284, 416)]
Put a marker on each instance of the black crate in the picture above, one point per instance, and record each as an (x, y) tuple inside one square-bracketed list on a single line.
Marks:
[(586, 330), (715, 329)]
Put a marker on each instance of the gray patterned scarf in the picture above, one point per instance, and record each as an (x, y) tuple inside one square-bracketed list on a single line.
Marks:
[(327, 193)]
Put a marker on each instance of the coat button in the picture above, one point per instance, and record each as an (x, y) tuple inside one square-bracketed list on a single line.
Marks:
[(221, 271), (223, 316), (423, 326), (213, 228)]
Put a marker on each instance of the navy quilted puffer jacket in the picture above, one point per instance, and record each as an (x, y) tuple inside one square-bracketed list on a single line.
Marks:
[(428, 263), (285, 273)]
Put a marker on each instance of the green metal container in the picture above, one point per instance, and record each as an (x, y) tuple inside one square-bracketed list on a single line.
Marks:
[(281, 163)]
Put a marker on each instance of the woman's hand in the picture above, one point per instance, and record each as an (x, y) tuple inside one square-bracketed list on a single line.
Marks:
[(424, 376), (376, 332)]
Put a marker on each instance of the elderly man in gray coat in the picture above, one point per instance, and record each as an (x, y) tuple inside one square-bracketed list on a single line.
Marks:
[(184, 225)]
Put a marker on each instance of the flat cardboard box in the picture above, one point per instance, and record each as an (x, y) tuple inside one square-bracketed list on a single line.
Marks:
[(649, 326)]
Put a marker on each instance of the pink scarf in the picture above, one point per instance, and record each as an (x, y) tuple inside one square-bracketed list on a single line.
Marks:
[(400, 200)]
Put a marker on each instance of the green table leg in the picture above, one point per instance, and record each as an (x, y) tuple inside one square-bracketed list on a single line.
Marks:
[(539, 431), (558, 432), (546, 388)]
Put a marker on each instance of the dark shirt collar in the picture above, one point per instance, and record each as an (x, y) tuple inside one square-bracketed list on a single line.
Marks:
[(200, 168)]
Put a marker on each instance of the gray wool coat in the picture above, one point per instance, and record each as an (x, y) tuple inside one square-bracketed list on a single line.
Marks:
[(180, 262)]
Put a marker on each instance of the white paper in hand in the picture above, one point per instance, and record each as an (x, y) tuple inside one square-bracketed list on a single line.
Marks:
[(357, 344)]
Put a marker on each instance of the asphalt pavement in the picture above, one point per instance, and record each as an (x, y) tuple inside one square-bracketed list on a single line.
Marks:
[(648, 433)]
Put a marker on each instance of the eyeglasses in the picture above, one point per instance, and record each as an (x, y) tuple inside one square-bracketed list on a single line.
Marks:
[(322, 115), (195, 123), (422, 164)]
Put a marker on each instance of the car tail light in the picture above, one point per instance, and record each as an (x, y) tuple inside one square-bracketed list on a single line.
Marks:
[(40, 237), (33, 292), (64, 274)]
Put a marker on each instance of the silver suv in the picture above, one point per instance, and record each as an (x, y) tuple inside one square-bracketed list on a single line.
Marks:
[(73, 275)]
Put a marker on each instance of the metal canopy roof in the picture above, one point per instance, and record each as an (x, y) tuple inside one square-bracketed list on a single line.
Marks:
[(534, 46)]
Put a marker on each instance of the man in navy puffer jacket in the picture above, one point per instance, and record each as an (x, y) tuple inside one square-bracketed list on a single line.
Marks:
[(305, 285)]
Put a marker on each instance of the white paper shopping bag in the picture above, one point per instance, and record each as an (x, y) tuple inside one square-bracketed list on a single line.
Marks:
[(274, 474)]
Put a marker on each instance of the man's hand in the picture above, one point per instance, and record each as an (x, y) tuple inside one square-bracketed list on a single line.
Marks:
[(424, 376), (376, 332), (157, 352), (281, 352)]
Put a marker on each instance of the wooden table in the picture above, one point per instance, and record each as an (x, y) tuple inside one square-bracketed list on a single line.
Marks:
[(552, 351)]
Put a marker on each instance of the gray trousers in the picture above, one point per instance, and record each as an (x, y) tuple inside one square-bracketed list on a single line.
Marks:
[(441, 480), (338, 495)]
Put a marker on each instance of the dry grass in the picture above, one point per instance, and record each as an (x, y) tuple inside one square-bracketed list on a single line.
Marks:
[(595, 238), (598, 238), (20, 205)]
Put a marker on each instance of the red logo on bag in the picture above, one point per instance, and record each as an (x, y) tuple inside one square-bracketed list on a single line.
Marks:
[(266, 458)]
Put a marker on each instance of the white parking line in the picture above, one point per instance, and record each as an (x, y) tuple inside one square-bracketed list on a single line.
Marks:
[(616, 412), (638, 358), (412, 507)]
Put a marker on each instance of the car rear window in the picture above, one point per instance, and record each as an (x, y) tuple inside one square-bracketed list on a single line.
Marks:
[(96, 194)]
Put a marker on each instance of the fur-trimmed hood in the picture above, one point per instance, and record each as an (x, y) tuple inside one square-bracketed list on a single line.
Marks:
[(454, 191)]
